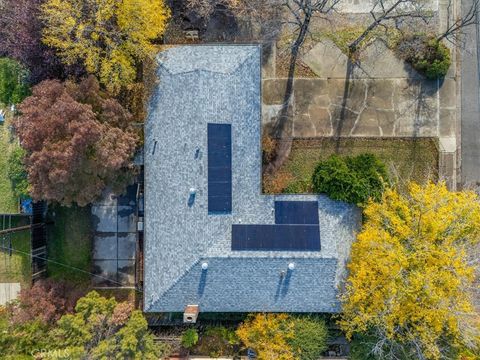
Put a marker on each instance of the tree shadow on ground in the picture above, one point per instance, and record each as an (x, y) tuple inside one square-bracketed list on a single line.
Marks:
[(346, 92)]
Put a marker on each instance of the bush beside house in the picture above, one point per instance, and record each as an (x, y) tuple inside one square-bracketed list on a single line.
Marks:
[(351, 179)]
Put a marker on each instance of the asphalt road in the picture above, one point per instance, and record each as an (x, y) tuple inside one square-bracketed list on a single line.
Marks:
[(470, 97)]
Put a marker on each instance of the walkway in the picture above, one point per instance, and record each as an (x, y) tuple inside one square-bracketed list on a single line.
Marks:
[(470, 128)]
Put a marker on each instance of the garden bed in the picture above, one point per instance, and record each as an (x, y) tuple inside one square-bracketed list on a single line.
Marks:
[(406, 160)]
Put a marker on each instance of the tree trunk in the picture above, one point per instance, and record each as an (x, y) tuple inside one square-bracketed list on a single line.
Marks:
[(283, 149), (353, 47)]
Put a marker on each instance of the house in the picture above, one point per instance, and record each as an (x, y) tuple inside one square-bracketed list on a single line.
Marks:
[(212, 239)]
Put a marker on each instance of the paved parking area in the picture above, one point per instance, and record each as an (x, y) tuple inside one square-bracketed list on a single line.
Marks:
[(379, 97)]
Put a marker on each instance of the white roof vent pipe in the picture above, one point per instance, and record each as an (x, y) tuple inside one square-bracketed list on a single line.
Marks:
[(193, 191), (291, 266), (205, 265)]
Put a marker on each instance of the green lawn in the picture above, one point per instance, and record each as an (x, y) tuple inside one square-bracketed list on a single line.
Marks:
[(16, 267), (8, 201), (406, 160), (70, 244)]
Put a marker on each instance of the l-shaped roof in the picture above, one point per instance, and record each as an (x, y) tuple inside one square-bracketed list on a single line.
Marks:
[(221, 84)]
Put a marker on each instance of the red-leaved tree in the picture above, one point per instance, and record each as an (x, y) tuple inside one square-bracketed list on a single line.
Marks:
[(78, 141), (20, 39), (46, 301)]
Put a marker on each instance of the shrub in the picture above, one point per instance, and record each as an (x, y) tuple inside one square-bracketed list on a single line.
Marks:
[(426, 55), (17, 173), (13, 82), (371, 170), (310, 338), (351, 179), (190, 338), (218, 341)]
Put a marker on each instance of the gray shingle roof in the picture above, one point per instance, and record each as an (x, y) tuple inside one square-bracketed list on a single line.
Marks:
[(221, 84)]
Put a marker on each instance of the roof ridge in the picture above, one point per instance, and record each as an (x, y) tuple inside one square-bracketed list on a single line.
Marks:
[(177, 280), (163, 55)]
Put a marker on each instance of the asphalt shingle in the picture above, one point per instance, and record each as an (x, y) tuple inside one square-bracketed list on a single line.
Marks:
[(222, 84)]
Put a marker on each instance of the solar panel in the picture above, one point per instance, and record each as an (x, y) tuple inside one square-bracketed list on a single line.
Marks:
[(296, 212), (275, 237), (219, 168)]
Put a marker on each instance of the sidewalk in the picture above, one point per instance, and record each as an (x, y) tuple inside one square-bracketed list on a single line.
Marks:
[(470, 102)]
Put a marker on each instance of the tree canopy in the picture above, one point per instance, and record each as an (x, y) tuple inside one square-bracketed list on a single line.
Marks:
[(78, 141), (20, 39), (284, 337), (46, 301), (410, 279), (110, 37), (103, 328), (96, 328)]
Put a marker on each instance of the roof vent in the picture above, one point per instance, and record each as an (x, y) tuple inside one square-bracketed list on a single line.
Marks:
[(190, 314), (205, 265), (193, 191), (291, 266)]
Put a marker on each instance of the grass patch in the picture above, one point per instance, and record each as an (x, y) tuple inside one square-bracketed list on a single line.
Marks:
[(8, 201), (70, 243), (342, 38), (406, 160), (16, 267)]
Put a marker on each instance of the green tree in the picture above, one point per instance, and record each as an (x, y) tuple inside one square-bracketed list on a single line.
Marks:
[(13, 82), (102, 328), (17, 173), (23, 339), (109, 37), (133, 341), (351, 179)]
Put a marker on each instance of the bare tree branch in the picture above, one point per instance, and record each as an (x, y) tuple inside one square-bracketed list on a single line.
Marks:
[(455, 28), (384, 10)]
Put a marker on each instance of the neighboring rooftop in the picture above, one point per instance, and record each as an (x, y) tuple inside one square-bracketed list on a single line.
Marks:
[(200, 85)]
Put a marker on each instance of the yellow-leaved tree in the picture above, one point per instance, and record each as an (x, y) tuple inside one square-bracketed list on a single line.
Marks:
[(411, 274), (110, 37), (284, 337), (269, 335)]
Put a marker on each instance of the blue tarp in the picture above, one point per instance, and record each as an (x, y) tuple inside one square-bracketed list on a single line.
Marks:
[(26, 206)]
